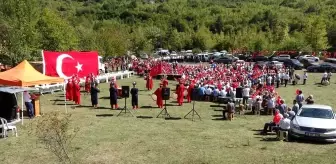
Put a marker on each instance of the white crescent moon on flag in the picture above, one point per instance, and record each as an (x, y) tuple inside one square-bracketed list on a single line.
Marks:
[(59, 63)]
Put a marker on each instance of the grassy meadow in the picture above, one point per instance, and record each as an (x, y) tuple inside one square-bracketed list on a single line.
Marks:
[(126, 139)]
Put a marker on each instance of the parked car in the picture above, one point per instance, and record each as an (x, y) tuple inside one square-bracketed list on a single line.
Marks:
[(306, 63), (309, 57), (274, 64), (293, 63), (257, 58), (282, 57), (322, 68), (316, 122), (330, 60), (224, 60)]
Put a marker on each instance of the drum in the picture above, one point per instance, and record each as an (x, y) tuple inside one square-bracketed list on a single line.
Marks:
[(174, 96), (185, 93)]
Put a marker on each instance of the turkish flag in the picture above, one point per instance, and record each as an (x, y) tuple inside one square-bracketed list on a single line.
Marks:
[(156, 70), (67, 64)]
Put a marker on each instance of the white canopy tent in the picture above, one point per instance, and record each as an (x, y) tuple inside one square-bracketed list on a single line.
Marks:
[(15, 90)]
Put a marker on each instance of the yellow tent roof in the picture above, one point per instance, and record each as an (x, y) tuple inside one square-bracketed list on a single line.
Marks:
[(26, 75)]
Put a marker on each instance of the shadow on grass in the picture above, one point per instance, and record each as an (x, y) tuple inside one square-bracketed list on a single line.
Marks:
[(148, 107), (104, 115), (218, 110), (144, 117), (105, 97), (217, 106), (269, 139), (217, 115), (218, 119), (171, 105), (173, 118)]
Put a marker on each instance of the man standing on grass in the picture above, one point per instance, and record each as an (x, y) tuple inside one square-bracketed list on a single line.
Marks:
[(29, 105), (305, 77), (324, 77), (134, 93), (300, 98)]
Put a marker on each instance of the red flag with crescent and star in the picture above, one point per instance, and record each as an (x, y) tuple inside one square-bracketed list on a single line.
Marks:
[(68, 64)]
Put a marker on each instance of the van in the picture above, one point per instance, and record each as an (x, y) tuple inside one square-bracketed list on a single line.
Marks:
[(203, 57)]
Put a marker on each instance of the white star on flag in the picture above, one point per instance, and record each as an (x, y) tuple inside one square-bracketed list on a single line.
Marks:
[(79, 67)]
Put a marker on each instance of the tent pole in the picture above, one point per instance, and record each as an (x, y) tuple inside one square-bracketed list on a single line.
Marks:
[(22, 108), (65, 102)]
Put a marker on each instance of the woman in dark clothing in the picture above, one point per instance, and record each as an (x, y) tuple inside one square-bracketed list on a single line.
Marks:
[(94, 95), (113, 96), (310, 99)]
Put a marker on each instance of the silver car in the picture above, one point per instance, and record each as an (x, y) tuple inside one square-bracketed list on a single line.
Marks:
[(316, 122)]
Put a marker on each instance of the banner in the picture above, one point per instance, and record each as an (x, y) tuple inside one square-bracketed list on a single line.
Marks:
[(68, 64), (156, 70)]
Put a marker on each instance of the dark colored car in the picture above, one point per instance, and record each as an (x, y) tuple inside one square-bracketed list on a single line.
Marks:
[(293, 63), (257, 58), (322, 68), (224, 60), (306, 63)]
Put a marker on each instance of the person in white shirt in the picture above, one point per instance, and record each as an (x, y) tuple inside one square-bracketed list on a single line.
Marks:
[(324, 77), (269, 80), (246, 94), (222, 93), (208, 93), (286, 78), (305, 77), (285, 123), (29, 105), (270, 105)]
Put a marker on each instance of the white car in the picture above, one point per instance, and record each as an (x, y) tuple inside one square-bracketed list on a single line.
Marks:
[(316, 122), (282, 57), (309, 57)]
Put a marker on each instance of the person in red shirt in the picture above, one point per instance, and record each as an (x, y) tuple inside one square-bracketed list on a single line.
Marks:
[(69, 89), (87, 84), (180, 94), (77, 92), (165, 82), (276, 120), (73, 89), (149, 82), (190, 91), (158, 93)]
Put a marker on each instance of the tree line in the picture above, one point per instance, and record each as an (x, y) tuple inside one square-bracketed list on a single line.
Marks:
[(114, 27)]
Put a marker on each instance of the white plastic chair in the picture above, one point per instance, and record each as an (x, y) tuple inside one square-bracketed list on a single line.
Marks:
[(6, 127)]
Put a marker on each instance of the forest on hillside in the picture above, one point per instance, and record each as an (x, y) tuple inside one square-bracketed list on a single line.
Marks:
[(114, 27)]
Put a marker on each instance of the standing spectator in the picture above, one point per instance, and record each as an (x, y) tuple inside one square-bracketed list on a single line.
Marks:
[(295, 107), (300, 98), (324, 77), (282, 107), (28, 102), (94, 95), (246, 95), (305, 77)]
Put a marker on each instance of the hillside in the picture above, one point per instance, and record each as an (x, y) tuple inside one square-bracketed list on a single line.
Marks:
[(114, 26)]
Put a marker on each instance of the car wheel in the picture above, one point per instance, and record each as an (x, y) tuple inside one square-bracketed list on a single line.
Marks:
[(316, 60), (290, 137)]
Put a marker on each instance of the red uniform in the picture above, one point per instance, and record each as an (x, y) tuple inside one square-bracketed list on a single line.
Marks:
[(149, 82), (159, 101), (190, 90), (74, 90), (87, 84), (180, 94), (165, 82), (69, 89), (77, 93)]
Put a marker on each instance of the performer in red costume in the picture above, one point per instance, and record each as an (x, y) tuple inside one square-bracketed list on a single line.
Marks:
[(190, 90), (165, 82), (74, 89), (149, 82), (77, 92), (69, 89), (159, 100), (180, 94), (87, 84)]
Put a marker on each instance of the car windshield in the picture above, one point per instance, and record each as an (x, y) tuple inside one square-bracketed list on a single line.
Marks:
[(316, 113), (296, 61)]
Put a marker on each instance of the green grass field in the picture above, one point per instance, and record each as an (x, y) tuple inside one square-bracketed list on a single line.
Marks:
[(128, 139)]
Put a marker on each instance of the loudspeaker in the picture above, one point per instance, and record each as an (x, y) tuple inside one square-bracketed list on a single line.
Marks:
[(165, 93), (125, 90), (194, 94), (239, 92)]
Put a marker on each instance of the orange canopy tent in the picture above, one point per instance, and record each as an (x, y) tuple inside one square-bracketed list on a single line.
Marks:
[(24, 75)]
